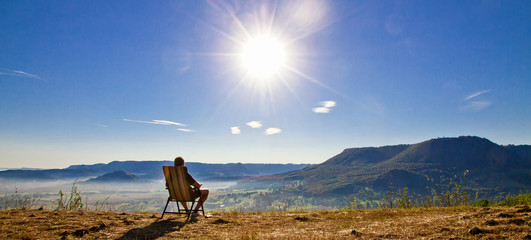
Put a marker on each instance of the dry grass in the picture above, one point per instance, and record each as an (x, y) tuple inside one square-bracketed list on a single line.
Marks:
[(452, 223)]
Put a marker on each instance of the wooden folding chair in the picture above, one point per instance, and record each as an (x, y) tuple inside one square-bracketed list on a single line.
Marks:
[(180, 190)]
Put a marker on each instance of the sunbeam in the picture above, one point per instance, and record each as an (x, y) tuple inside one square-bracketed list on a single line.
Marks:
[(301, 74)]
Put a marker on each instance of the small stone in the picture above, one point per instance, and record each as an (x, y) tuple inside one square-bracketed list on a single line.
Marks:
[(355, 233), (491, 222), (80, 232), (524, 209), (517, 221), (475, 231), (98, 228), (505, 215), (220, 221), (389, 236), (302, 219), (128, 222)]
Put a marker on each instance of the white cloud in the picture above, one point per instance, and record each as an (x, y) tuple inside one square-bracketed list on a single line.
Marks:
[(255, 124), (321, 110), (476, 94), (235, 130), (18, 73), (326, 107), (271, 131), (185, 130), (328, 104), (476, 106), (158, 122)]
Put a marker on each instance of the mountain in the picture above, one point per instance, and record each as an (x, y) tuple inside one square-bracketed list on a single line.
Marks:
[(436, 163), (116, 176), (521, 150), (151, 170)]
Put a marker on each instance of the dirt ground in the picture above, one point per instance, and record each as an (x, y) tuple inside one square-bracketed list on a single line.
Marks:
[(440, 223)]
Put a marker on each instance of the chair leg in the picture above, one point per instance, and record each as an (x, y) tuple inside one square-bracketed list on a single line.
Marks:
[(190, 212), (165, 208), (202, 209)]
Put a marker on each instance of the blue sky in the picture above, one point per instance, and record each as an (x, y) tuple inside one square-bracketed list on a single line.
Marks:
[(85, 82)]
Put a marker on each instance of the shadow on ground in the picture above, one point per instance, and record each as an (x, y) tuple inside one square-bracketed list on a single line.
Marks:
[(154, 230)]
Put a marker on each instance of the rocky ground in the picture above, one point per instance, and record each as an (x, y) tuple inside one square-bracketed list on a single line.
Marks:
[(438, 223)]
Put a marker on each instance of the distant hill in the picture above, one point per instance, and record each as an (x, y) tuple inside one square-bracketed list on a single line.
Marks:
[(435, 163), (116, 176), (151, 170)]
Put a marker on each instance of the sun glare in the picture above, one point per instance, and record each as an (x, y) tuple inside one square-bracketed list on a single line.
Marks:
[(263, 57)]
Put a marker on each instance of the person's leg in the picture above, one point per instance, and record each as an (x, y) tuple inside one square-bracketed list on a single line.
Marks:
[(202, 199), (185, 206)]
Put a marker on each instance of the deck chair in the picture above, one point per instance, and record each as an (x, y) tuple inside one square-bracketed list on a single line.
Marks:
[(180, 190)]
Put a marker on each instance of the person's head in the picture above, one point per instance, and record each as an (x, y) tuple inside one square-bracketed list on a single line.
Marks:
[(179, 162)]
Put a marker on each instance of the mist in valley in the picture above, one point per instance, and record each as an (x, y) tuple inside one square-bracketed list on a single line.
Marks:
[(149, 196)]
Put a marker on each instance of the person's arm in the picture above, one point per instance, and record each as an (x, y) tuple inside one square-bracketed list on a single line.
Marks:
[(193, 181), (197, 185)]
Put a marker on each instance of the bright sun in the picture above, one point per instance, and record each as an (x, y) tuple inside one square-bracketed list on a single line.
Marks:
[(263, 57)]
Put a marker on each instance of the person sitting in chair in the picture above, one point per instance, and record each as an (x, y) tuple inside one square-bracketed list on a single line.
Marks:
[(203, 193)]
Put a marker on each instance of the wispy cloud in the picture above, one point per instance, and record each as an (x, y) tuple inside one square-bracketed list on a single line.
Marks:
[(235, 130), (254, 124), (185, 130), (271, 131), (325, 107), (472, 104), (18, 73), (476, 106), (183, 70), (158, 122), (165, 122), (476, 94)]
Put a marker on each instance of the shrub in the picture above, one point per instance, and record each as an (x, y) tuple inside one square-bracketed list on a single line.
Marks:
[(456, 195), (74, 202), (482, 203), (521, 199), (18, 201)]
